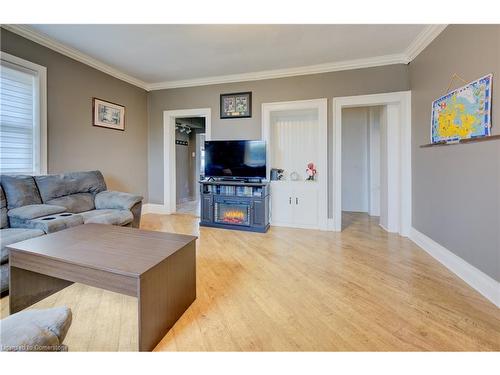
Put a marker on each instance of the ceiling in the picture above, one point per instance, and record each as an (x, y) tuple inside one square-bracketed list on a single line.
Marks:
[(159, 56)]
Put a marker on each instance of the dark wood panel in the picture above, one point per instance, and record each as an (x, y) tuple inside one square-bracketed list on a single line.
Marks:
[(27, 287), (107, 247), (165, 292), (74, 273), (462, 141)]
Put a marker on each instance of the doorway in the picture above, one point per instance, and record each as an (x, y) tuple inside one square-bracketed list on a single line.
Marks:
[(189, 154), (394, 198), (184, 133), (361, 145)]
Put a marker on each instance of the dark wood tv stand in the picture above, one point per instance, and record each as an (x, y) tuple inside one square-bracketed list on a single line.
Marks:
[(235, 205)]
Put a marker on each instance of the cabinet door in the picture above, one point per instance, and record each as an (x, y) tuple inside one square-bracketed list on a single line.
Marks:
[(206, 208), (305, 205), (281, 204)]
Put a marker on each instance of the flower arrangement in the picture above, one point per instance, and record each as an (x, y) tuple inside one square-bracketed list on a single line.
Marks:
[(311, 171)]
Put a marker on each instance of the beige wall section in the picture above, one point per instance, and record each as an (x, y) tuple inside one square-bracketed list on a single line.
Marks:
[(326, 85), (456, 189), (73, 143)]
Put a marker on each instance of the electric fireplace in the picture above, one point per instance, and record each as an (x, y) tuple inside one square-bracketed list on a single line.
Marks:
[(232, 212)]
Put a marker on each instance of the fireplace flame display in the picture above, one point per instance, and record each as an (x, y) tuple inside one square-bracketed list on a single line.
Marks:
[(233, 217)]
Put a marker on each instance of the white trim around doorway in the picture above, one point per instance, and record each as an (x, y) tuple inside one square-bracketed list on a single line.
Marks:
[(169, 173), (403, 99)]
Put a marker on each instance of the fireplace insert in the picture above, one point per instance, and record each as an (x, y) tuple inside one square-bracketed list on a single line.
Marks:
[(232, 212)]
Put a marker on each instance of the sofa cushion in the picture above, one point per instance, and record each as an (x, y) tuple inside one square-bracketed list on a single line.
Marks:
[(33, 211), (60, 185), (116, 199), (36, 330), (4, 222), (20, 191), (50, 223), (75, 203), (108, 216), (9, 236)]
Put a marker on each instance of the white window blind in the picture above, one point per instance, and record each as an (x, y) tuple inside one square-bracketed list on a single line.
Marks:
[(20, 144)]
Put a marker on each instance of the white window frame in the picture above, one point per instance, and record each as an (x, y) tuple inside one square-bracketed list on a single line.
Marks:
[(40, 107)]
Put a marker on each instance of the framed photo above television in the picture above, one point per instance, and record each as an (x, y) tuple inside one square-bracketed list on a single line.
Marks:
[(108, 115), (237, 105)]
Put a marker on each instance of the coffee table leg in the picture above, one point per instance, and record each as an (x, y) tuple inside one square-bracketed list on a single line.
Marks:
[(165, 292), (27, 287)]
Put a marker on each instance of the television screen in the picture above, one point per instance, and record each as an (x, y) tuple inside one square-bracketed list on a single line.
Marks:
[(235, 159)]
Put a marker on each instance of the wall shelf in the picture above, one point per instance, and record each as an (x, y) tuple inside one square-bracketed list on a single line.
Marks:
[(462, 141)]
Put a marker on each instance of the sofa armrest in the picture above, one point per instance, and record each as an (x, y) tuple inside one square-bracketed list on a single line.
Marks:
[(116, 200), (34, 211)]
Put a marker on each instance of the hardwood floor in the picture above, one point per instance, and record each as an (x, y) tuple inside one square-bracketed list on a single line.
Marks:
[(299, 290)]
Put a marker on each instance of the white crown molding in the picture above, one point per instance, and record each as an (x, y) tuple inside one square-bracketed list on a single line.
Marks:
[(282, 73), (45, 41), (426, 36), (478, 280)]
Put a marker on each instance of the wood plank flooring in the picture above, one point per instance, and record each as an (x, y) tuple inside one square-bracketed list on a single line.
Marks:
[(299, 290)]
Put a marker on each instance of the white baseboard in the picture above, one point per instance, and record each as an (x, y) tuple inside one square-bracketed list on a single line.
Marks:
[(330, 224), (153, 208), (477, 279)]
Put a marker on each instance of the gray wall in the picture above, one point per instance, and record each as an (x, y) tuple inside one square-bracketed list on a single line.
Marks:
[(73, 143), (456, 189), (326, 85), (355, 159)]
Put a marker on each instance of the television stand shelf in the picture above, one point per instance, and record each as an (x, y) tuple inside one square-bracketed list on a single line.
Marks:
[(235, 205)]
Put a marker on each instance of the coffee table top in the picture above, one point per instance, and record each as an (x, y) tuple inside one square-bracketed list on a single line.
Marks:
[(122, 250)]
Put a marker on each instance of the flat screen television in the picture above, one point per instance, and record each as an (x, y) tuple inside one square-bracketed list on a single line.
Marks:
[(235, 159)]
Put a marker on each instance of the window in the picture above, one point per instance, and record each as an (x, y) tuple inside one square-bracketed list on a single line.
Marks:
[(23, 118)]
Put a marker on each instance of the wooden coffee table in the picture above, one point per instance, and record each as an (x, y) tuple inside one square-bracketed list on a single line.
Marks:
[(158, 268)]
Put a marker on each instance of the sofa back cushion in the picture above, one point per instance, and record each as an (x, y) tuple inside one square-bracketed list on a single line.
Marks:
[(4, 222), (20, 190), (76, 203), (60, 185)]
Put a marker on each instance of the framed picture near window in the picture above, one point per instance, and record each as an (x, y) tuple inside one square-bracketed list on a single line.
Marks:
[(237, 105), (107, 114)]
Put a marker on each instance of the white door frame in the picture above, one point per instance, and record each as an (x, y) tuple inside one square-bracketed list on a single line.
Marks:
[(403, 99), (322, 164), (169, 173)]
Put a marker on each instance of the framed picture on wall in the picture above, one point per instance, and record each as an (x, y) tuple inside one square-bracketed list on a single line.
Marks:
[(107, 114), (237, 105)]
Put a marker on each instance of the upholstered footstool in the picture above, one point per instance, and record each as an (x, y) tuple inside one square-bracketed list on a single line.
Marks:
[(35, 330)]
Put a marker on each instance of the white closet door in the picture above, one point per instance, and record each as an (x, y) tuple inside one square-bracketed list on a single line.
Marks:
[(281, 204), (305, 202)]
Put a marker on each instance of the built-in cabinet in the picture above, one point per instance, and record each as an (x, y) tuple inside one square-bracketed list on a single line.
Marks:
[(296, 134), (295, 204)]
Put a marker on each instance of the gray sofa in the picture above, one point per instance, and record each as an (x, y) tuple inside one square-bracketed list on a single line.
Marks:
[(32, 206)]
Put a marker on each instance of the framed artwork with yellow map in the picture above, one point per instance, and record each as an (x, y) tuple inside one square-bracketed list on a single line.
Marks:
[(463, 113)]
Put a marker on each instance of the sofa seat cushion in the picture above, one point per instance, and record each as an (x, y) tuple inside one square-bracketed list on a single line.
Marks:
[(107, 216), (51, 223), (33, 211), (36, 330), (20, 191), (8, 236), (75, 203)]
